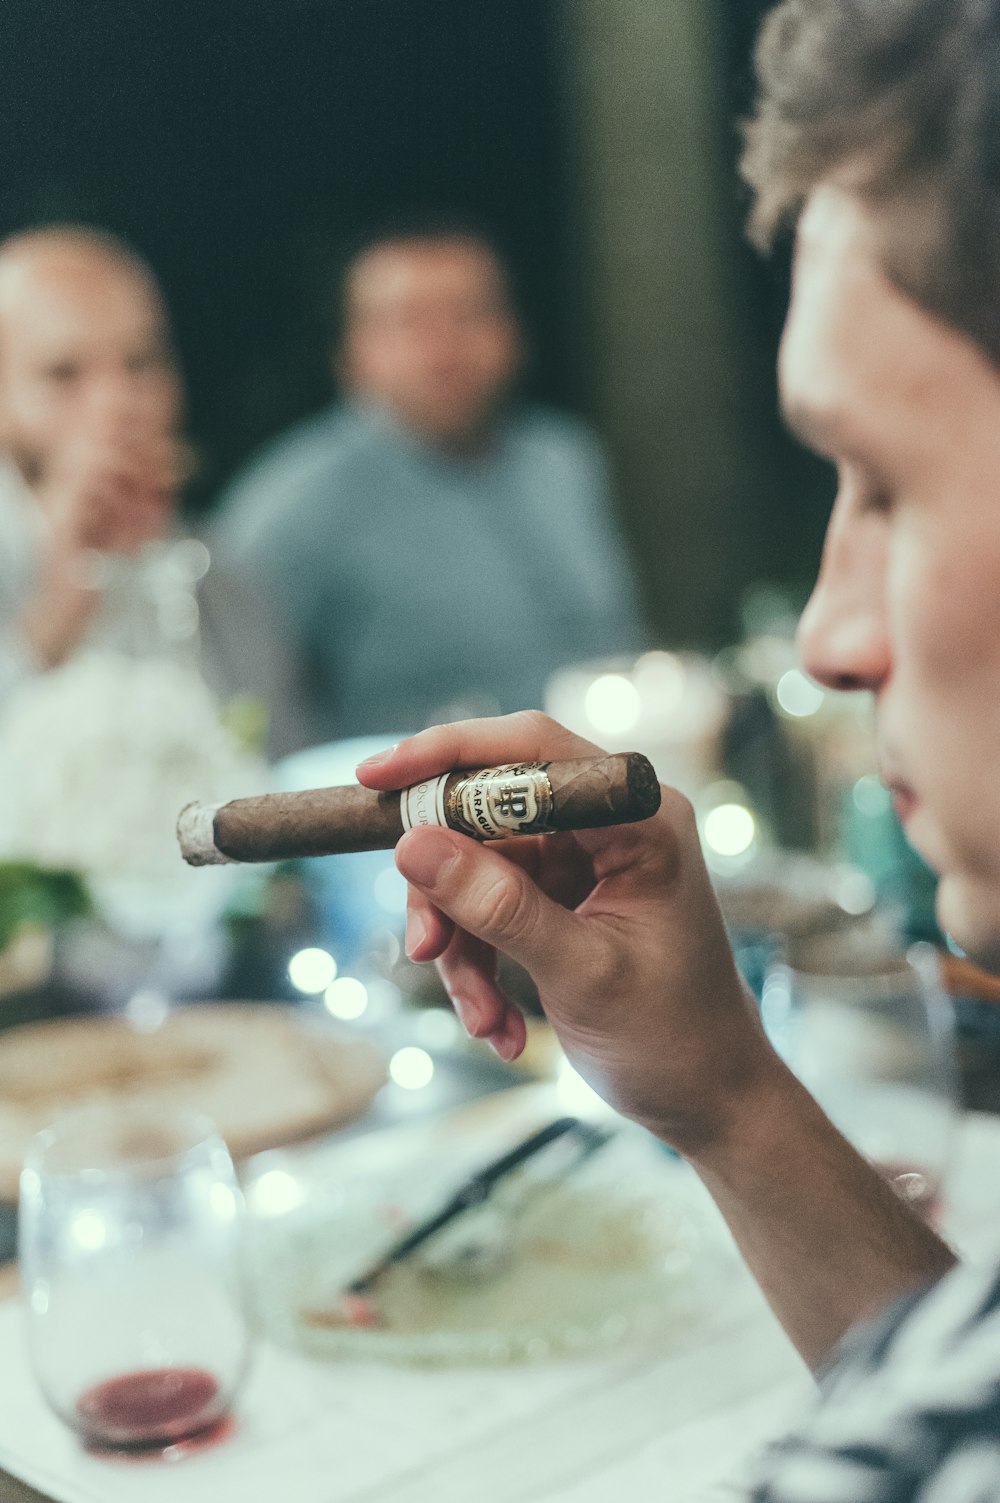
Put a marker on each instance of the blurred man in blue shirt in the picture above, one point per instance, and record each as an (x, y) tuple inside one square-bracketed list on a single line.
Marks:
[(436, 550)]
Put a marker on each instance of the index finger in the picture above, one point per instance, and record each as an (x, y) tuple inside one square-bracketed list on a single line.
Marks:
[(527, 736)]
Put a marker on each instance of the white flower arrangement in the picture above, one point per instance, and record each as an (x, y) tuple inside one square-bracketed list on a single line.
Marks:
[(98, 757)]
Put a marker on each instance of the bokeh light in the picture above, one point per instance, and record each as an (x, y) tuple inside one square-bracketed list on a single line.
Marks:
[(346, 998), (870, 797), (389, 890), (411, 1068), (797, 695), (612, 704), (659, 678), (275, 1193), (729, 829), (89, 1230), (576, 1095), (223, 1202), (854, 892), (311, 970)]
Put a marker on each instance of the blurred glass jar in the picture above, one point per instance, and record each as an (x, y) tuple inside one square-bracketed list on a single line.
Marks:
[(149, 604), (130, 1246), (870, 1033)]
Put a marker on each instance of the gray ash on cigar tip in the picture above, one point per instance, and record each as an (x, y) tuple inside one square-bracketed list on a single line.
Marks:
[(196, 835)]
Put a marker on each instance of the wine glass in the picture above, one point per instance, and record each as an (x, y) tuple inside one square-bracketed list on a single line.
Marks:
[(129, 1232), (869, 1032)]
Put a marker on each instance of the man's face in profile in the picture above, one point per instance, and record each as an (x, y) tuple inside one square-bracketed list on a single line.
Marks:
[(907, 604), (431, 336), (83, 353)]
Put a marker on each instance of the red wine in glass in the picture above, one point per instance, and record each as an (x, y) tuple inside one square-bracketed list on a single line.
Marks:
[(130, 1234), (155, 1407)]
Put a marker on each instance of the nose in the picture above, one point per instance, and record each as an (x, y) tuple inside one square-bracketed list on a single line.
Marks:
[(843, 634), (126, 404), (113, 397)]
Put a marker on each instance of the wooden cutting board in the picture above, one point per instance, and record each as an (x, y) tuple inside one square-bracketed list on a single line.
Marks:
[(264, 1074)]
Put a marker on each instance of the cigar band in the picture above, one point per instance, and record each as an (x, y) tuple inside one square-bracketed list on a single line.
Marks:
[(502, 801), (423, 804)]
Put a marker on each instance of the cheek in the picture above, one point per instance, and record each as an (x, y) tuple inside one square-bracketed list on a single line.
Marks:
[(163, 395), (944, 616), (942, 706), (496, 356), (375, 362), (42, 410), (968, 909)]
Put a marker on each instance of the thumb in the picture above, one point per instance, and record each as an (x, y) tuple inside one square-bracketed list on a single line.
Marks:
[(489, 897)]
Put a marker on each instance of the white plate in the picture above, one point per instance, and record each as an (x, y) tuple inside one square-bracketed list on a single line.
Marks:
[(581, 1264)]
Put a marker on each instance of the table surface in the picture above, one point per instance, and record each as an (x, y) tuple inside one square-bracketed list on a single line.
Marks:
[(693, 1410)]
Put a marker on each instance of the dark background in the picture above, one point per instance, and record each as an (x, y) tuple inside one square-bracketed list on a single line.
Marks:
[(235, 142)]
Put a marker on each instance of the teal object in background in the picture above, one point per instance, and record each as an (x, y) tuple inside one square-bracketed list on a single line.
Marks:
[(872, 840)]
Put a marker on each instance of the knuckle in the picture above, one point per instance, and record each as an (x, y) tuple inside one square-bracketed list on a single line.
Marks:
[(506, 907), (541, 724), (551, 738), (533, 728)]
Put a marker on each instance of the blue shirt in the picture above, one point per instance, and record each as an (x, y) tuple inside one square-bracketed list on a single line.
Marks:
[(419, 585)]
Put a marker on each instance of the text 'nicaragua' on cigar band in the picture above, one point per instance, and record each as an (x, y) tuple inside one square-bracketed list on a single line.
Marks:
[(490, 804)]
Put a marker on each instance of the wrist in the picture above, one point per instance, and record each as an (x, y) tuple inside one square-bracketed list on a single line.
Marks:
[(749, 1096), (750, 1118)]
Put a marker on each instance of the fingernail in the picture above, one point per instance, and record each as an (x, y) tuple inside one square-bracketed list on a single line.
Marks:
[(505, 1042), (470, 1016), (416, 933), (379, 756), (424, 861), (502, 1046)]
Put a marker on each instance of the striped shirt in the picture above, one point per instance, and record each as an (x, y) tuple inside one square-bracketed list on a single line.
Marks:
[(908, 1412)]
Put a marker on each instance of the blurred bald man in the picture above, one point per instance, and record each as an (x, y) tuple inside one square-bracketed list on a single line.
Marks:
[(89, 413), (92, 460)]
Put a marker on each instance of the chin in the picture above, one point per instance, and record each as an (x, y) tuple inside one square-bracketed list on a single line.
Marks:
[(969, 912)]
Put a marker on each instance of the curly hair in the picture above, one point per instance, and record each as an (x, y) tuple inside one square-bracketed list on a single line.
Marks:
[(899, 101)]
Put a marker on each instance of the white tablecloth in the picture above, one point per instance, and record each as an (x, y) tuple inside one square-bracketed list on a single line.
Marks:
[(665, 1423)]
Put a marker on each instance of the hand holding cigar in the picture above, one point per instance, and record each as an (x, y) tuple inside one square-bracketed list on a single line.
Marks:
[(493, 803)]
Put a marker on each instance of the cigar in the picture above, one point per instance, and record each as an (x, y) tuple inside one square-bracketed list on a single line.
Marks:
[(493, 803)]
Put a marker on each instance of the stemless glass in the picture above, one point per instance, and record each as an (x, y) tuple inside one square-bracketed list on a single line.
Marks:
[(129, 1231), (869, 1032)]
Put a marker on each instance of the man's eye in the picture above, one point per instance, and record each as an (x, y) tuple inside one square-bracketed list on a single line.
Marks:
[(878, 499), (63, 374)]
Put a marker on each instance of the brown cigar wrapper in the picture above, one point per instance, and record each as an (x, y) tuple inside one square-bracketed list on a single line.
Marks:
[(586, 794)]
